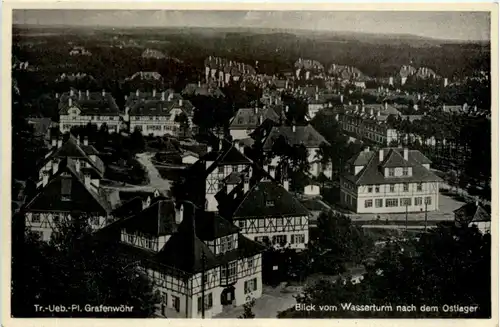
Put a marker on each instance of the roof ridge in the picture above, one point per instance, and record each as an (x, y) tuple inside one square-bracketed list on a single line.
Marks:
[(363, 171), (246, 196)]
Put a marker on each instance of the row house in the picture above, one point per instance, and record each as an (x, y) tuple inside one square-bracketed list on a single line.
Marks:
[(224, 71), (67, 193), (390, 180), (145, 80), (83, 155), (346, 73), (369, 123), (267, 213), (296, 136), (199, 262), (209, 89), (246, 120), (158, 113), (77, 108), (308, 69)]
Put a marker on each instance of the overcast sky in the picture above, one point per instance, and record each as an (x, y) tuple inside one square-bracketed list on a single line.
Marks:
[(441, 25)]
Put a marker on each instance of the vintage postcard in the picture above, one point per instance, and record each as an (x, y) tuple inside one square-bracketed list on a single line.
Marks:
[(249, 161)]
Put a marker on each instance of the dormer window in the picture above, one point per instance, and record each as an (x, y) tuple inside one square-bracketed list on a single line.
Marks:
[(406, 171), (391, 172), (270, 203)]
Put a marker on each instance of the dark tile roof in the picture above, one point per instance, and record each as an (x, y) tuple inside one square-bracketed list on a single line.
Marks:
[(372, 173), (143, 195), (157, 220), (194, 89), (251, 117), (128, 208), (471, 212), (95, 104), (83, 199), (41, 126), (210, 226), (255, 203), (394, 159), (306, 135)]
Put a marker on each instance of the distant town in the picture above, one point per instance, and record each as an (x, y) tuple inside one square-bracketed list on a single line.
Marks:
[(212, 185)]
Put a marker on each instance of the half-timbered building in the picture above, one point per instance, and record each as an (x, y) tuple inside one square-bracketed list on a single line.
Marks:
[(269, 214), (67, 194), (198, 261)]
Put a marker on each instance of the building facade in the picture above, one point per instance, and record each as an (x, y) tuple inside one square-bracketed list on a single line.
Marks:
[(390, 180)]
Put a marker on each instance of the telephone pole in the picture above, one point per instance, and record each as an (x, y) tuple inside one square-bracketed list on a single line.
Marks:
[(203, 263), (406, 226), (425, 216)]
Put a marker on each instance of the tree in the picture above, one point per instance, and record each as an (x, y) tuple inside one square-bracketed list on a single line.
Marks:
[(183, 121), (137, 142), (448, 265), (247, 310), (75, 268)]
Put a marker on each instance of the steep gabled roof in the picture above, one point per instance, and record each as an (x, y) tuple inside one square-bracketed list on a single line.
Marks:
[(210, 226), (157, 220), (250, 117), (266, 199), (372, 173), (95, 104), (394, 159), (83, 198), (472, 212), (306, 135), (128, 208)]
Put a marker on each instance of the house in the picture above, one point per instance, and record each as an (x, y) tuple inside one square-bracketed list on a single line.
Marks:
[(79, 51), (83, 154), (369, 122), (159, 113), (145, 196), (41, 127), (189, 157), (202, 89), (296, 136), (269, 214), (307, 68), (78, 108), (318, 102), (246, 120), (153, 54), (200, 263), (145, 80), (404, 72), (473, 214), (390, 180), (223, 71), (68, 192)]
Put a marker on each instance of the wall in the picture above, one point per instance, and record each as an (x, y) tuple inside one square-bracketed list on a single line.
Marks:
[(239, 134)]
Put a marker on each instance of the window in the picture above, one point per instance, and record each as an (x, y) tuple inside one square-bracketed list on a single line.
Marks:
[(297, 221), (391, 172), (405, 171), (368, 203), (235, 168), (226, 244), (269, 203), (298, 239), (220, 169), (250, 262), (35, 218), (250, 285), (261, 222), (55, 218), (405, 187), (279, 222), (391, 188), (405, 202), (391, 202), (279, 239), (94, 220), (379, 203), (419, 187), (418, 201), (377, 189), (164, 297), (241, 223), (208, 302), (428, 200), (370, 189), (228, 271), (130, 238)]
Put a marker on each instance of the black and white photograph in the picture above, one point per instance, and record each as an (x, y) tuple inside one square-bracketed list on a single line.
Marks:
[(248, 164)]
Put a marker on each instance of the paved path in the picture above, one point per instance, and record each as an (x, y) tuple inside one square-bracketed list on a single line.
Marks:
[(155, 180)]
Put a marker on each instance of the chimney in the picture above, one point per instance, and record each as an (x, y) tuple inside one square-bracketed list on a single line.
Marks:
[(103, 93), (286, 184), (341, 98), (54, 142), (380, 155), (179, 216), (154, 93), (180, 102), (405, 154), (70, 102), (367, 149), (162, 96), (77, 165), (87, 180), (79, 94), (256, 110), (85, 140), (199, 83), (385, 105), (246, 185), (260, 119), (272, 171), (378, 113), (57, 95), (137, 93), (71, 93), (45, 178), (286, 109), (59, 142), (209, 148), (77, 140), (294, 128), (371, 112), (88, 94), (317, 96), (477, 202)]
